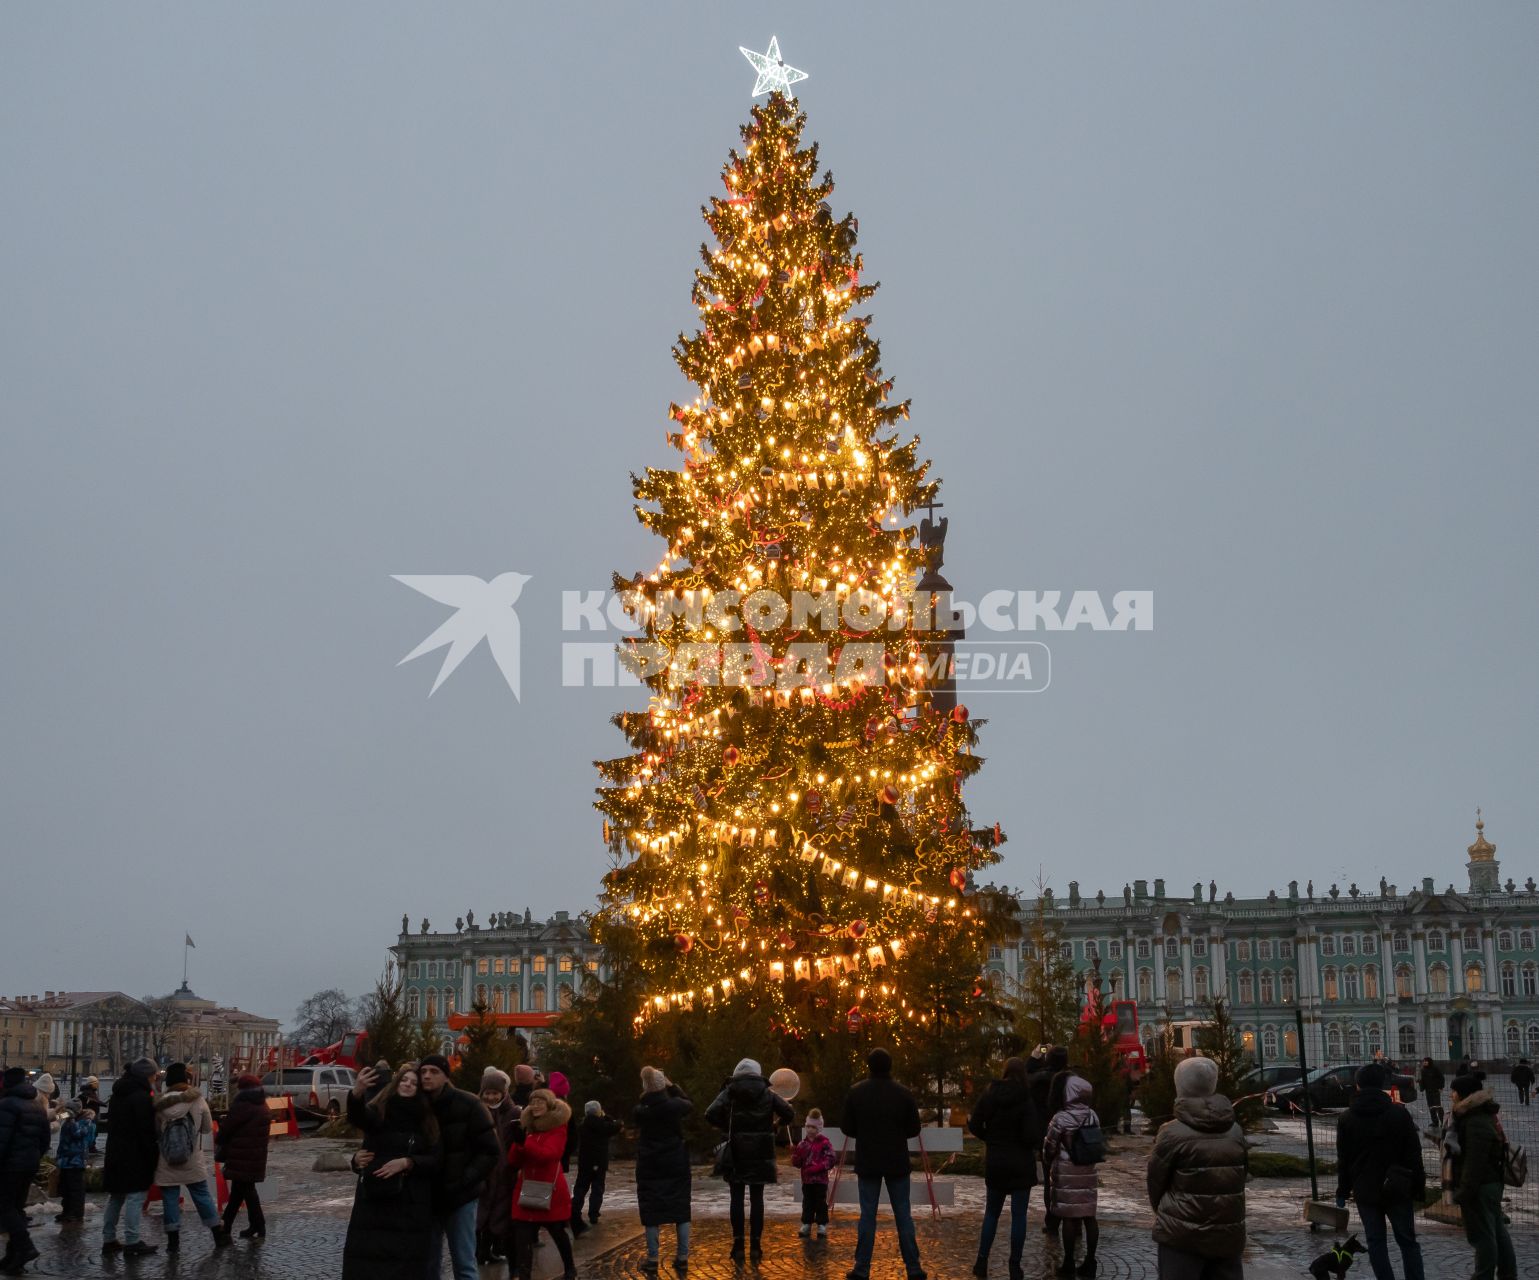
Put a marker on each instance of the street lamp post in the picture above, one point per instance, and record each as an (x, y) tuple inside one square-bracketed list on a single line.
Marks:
[(1255, 950), (1309, 1118)]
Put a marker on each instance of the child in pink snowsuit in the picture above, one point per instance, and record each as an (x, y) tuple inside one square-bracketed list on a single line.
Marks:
[(814, 1156)]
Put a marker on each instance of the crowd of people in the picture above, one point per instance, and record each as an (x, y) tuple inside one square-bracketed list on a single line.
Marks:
[(486, 1174), (1040, 1115), (161, 1140)]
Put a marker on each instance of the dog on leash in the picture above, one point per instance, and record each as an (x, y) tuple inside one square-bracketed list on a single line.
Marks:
[(1336, 1260)]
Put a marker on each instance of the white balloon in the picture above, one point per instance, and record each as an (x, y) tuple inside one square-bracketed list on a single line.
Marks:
[(785, 1082)]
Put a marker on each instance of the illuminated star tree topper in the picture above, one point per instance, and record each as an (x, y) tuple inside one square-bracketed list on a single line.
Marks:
[(774, 74)]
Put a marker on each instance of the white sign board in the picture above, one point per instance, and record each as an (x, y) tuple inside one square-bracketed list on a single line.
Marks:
[(936, 1141), (940, 1142)]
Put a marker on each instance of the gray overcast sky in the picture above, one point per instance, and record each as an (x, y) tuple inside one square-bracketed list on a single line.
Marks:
[(1236, 303)]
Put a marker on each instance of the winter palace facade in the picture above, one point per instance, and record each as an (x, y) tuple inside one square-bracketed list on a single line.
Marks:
[(526, 971), (1423, 973)]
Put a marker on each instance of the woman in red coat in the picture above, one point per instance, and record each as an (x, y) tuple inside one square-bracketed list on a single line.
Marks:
[(540, 1197)]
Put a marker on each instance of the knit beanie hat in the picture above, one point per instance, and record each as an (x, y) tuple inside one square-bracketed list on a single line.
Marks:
[(1465, 1085), (14, 1076), (1196, 1078), (93, 1082), (176, 1075), (1372, 1076), (652, 1080), (593, 1107), (814, 1122), (72, 1107), (144, 1068), (492, 1078), (747, 1067), (44, 1084), (248, 1081), (559, 1084), (435, 1060), (523, 1073)]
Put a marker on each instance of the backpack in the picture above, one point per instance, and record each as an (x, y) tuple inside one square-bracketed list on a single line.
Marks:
[(1514, 1165), (179, 1139), (1087, 1145)]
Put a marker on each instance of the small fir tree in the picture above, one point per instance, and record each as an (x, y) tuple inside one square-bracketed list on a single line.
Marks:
[(484, 1044), (1094, 1055), (389, 1028), (1157, 1091), (963, 1015), (597, 1042), (1045, 1007), (425, 1040), (1220, 1040)]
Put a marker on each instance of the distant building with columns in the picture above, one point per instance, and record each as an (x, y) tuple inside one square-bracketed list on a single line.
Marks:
[(526, 971), (1422, 973), (101, 1032)]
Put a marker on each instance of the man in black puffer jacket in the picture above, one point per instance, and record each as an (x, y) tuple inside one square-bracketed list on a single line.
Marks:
[(24, 1136), (1379, 1165), (746, 1110), (470, 1154), (1197, 1181), (881, 1115), (1008, 1121)]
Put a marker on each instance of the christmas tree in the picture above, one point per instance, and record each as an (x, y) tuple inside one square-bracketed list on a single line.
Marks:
[(788, 827)]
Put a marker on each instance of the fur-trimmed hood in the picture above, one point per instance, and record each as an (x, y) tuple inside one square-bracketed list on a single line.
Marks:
[(557, 1113), (1475, 1101), (187, 1095)]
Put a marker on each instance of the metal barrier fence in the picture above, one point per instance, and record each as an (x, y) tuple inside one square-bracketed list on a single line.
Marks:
[(1520, 1122)]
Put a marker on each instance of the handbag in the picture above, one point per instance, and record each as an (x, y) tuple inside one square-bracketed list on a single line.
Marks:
[(1514, 1165), (535, 1195), (721, 1161)]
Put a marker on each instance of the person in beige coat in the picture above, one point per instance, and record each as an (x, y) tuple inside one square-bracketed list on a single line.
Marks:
[(182, 1122)]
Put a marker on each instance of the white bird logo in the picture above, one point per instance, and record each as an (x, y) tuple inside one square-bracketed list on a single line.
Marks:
[(481, 609)]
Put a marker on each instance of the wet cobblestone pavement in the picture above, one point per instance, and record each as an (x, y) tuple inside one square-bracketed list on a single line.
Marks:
[(308, 1211)]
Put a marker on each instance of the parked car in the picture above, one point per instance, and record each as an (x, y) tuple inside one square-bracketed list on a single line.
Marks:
[(1329, 1087), (1264, 1079), (318, 1089)]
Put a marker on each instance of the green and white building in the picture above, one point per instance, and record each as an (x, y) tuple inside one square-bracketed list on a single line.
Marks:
[(1417, 973), (525, 970)]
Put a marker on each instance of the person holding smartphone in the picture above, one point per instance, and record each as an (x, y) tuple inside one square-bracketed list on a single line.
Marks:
[(392, 1230)]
